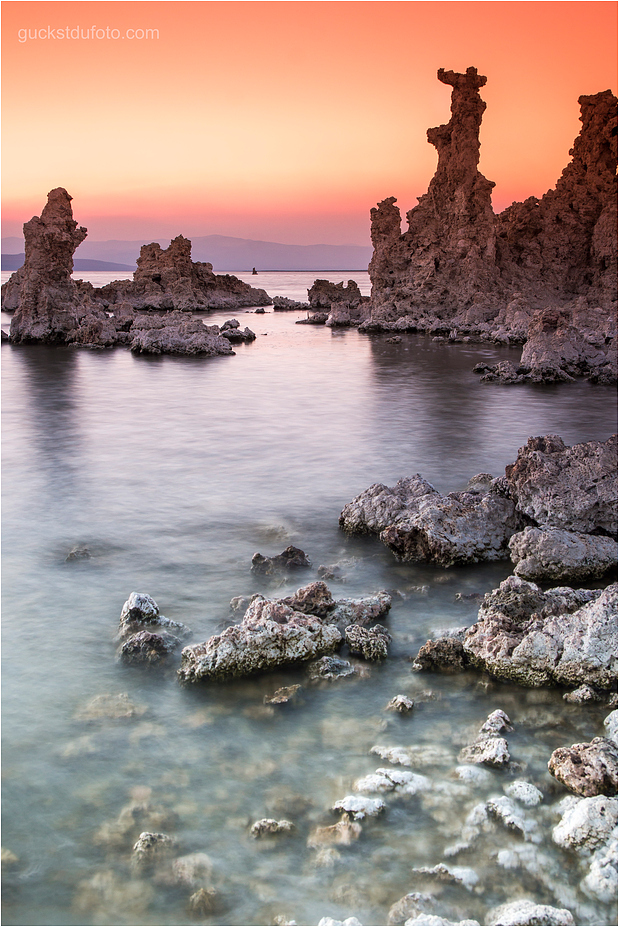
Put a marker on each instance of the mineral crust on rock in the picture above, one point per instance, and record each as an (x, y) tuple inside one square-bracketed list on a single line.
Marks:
[(270, 635), (416, 522), (556, 555), (523, 913), (537, 638), (555, 510), (574, 488), (543, 271)]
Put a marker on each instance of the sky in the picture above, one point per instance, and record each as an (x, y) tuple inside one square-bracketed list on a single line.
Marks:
[(282, 121)]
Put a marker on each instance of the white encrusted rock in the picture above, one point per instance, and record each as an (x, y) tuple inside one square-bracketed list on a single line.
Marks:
[(359, 807), (490, 751), (610, 725), (588, 824), (524, 792), (524, 913)]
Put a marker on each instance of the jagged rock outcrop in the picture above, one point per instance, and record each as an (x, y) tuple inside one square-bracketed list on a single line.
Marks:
[(341, 306), (543, 270), (169, 279), (52, 308), (563, 636), (553, 500), (586, 769), (552, 554), (574, 488), (280, 632)]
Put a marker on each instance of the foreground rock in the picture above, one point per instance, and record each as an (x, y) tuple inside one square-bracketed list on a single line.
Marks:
[(554, 511), (574, 488), (555, 555), (416, 522), (523, 913), (290, 559), (586, 769), (270, 635), (535, 638), (542, 270)]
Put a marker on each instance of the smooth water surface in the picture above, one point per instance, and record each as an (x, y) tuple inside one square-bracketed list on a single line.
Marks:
[(173, 472)]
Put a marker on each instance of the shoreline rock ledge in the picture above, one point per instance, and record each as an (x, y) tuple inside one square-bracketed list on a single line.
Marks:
[(543, 271), (554, 512), (51, 308)]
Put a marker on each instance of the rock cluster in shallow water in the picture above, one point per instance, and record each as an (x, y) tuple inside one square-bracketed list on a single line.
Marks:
[(51, 308)]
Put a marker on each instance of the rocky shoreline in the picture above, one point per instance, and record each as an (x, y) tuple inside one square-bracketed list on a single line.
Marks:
[(525, 634)]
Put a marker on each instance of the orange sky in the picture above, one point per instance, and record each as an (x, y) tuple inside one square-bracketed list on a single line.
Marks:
[(283, 121)]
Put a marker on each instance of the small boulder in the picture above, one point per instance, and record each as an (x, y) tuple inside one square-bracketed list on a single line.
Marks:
[(587, 769), (370, 643)]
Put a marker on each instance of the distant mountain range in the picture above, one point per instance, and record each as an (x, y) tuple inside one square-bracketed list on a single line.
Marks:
[(15, 261), (223, 252)]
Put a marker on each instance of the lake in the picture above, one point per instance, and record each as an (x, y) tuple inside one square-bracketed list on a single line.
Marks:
[(173, 472)]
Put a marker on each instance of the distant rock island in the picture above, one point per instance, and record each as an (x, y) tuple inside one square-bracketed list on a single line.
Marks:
[(542, 272)]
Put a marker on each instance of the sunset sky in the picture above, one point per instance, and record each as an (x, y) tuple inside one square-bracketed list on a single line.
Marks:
[(284, 121)]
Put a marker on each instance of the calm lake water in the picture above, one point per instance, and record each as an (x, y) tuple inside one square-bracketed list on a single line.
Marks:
[(173, 472)]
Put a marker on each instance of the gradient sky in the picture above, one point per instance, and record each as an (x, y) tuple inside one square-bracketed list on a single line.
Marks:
[(284, 121)]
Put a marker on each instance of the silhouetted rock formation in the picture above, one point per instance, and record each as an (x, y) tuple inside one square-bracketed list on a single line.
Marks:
[(52, 308), (169, 279), (47, 301), (543, 270)]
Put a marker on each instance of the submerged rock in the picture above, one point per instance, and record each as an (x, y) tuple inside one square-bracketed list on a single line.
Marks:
[(330, 668), (150, 849), (343, 833), (401, 704), (269, 827), (148, 648), (523, 913), (107, 707)]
